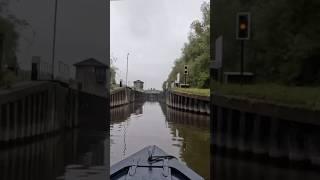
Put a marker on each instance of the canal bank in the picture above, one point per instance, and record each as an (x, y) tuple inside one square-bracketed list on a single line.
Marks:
[(125, 95), (31, 109), (189, 102), (56, 132), (181, 134), (38, 108), (260, 128)]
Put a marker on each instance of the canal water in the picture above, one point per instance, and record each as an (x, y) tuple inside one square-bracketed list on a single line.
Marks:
[(79, 154), (183, 135), (233, 166)]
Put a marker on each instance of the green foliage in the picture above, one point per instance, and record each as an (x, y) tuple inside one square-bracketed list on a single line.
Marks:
[(194, 91), (7, 78), (113, 71), (285, 39), (8, 26), (291, 48), (10, 37), (195, 53), (305, 97)]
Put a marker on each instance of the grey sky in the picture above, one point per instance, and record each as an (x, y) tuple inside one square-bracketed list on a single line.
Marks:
[(81, 30), (153, 32)]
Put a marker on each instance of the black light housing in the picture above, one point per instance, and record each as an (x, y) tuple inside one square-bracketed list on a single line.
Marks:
[(243, 26)]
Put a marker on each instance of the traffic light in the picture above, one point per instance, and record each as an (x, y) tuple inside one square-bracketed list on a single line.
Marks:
[(243, 26), (185, 69)]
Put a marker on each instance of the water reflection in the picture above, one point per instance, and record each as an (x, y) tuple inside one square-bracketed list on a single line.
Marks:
[(193, 130), (233, 166), (184, 135), (76, 154)]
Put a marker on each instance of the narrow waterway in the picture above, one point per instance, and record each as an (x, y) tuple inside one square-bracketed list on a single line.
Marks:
[(78, 154), (181, 134)]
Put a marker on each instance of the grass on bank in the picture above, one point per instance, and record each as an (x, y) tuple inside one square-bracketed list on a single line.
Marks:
[(307, 97), (7, 79), (194, 91)]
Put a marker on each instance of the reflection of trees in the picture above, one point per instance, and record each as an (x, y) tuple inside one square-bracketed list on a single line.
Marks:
[(194, 130)]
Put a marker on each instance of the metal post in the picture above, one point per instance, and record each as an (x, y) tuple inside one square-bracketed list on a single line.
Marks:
[(54, 38), (127, 70), (242, 68), (1, 50)]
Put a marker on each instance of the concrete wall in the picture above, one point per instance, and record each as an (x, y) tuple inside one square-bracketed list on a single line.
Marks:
[(188, 102), (36, 108), (124, 95), (93, 111), (87, 77), (265, 129)]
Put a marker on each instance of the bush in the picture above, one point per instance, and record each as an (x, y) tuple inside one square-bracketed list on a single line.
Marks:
[(7, 78)]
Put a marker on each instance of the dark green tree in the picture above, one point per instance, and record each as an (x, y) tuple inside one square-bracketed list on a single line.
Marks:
[(9, 36), (195, 53), (284, 45)]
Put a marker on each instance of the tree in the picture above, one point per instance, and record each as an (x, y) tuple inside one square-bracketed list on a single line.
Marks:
[(195, 53), (284, 41), (113, 70), (8, 25)]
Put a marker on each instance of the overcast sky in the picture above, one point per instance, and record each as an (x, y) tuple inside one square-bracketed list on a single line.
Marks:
[(81, 31), (153, 32)]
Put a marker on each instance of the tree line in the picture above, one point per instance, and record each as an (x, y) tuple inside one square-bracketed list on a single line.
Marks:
[(195, 53), (284, 45), (9, 43)]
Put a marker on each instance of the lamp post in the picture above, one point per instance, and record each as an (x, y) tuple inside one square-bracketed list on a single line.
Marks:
[(127, 70), (54, 38)]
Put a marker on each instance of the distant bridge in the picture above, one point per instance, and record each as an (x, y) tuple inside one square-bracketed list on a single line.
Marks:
[(126, 95), (153, 95)]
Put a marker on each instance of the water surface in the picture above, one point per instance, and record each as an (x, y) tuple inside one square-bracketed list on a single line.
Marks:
[(183, 135), (78, 154)]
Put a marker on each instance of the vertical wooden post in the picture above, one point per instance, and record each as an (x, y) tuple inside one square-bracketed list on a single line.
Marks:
[(30, 116), (1, 50), (1, 125), (230, 130)]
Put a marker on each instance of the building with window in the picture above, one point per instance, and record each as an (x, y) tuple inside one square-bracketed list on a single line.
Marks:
[(91, 75), (138, 84)]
